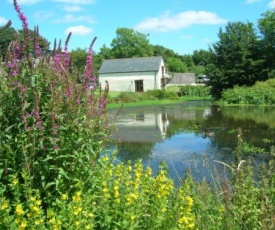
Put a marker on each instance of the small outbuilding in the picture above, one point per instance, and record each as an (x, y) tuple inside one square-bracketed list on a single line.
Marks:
[(183, 79), (133, 74)]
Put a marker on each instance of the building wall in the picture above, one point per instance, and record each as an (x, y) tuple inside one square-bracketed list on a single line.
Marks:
[(125, 82)]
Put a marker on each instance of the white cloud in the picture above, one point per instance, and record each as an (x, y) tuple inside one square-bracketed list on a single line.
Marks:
[(271, 4), (3, 21), (26, 2), (79, 30), (72, 8), (168, 22), (252, 1), (72, 18), (78, 2)]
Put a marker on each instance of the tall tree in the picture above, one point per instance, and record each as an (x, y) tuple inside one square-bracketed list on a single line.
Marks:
[(237, 59), (129, 43), (202, 57), (266, 25), (176, 65)]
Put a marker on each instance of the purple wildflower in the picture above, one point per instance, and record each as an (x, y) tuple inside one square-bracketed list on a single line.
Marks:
[(22, 17)]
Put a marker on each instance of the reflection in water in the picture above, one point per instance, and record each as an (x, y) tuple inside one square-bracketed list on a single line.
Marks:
[(176, 134)]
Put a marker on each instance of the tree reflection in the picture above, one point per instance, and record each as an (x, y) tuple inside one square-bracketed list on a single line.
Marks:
[(134, 151)]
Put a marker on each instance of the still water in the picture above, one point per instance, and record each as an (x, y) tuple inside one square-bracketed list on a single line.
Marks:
[(175, 134)]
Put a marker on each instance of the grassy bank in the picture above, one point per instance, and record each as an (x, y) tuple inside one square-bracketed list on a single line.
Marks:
[(155, 97)]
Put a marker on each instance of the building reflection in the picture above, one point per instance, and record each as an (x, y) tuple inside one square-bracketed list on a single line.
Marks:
[(143, 128)]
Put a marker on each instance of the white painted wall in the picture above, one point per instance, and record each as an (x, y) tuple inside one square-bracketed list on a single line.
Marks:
[(125, 82)]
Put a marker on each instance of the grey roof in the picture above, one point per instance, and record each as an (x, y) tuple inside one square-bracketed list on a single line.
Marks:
[(124, 65), (183, 78)]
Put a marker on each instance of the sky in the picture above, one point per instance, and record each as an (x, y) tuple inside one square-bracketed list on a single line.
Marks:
[(180, 25)]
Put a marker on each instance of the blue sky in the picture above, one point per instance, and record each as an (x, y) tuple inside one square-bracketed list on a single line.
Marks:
[(180, 25)]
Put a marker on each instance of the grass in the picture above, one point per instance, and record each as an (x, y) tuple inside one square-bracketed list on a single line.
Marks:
[(140, 99)]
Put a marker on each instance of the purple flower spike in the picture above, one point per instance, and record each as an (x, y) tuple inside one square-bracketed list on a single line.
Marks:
[(22, 17)]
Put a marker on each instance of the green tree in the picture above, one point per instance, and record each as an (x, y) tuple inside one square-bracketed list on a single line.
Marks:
[(129, 43), (79, 58), (7, 34), (176, 65), (202, 57), (266, 25), (236, 58), (164, 52)]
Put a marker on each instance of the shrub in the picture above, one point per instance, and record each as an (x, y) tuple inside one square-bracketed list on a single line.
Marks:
[(192, 91), (262, 93)]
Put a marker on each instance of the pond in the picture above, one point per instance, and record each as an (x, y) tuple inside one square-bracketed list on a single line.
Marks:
[(175, 134)]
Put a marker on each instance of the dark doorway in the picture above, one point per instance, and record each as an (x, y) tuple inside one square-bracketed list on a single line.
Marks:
[(139, 85)]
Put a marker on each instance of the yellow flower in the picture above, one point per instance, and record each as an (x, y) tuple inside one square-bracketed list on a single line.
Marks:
[(38, 202), (77, 223), (4, 205), (19, 210), (91, 215), (15, 181), (189, 200), (23, 225), (132, 217), (52, 220), (64, 197), (32, 199)]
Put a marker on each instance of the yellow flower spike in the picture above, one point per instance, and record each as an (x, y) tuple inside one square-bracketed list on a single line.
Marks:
[(19, 210), (32, 199), (189, 200), (77, 223)]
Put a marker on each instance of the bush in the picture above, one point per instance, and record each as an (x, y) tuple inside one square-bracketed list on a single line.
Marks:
[(161, 94), (262, 93), (193, 91)]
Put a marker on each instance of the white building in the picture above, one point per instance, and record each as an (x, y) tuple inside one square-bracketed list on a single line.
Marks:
[(133, 74)]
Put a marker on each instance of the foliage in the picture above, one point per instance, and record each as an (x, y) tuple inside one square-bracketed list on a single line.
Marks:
[(161, 94), (175, 65), (129, 43), (122, 196), (237, 60), (52, 174), (9, 34), (189, 90), (260, 94), (45, 119), (234, 199), (266, 25)]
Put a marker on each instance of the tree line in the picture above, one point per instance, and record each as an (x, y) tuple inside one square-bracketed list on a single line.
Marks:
[(243, 54)]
